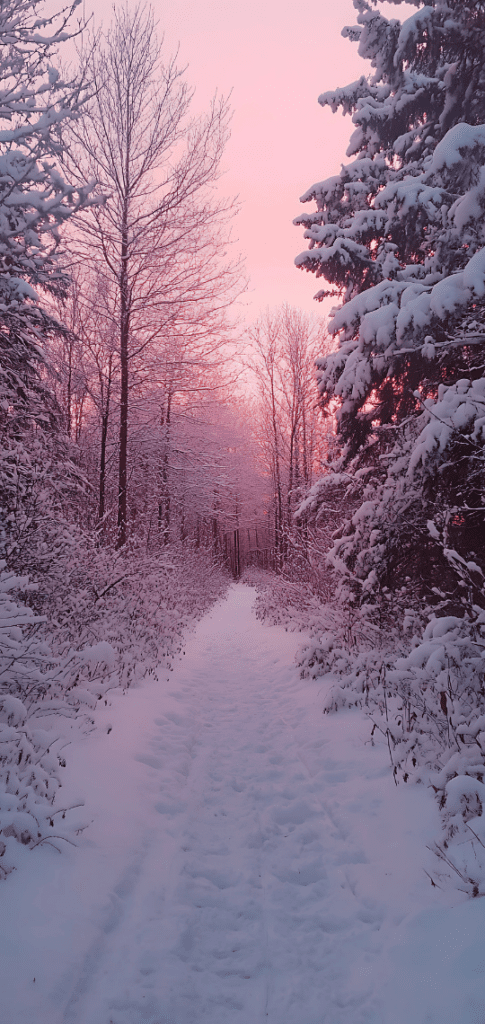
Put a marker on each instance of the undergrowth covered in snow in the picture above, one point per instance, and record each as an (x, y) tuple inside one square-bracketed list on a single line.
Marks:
[(127, 617), (283, 602), (424, 694), (138, 601), (426, 698)]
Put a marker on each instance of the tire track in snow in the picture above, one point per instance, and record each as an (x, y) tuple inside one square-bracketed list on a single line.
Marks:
[(111, 921)]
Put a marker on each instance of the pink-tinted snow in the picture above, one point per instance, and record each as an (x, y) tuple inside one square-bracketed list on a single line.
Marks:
[(248, 859)]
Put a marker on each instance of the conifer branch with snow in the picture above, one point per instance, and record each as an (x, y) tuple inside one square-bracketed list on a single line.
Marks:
[(398, 235)]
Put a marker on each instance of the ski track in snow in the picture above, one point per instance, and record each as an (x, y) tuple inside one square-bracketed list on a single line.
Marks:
[(245, 924), (250, 877)]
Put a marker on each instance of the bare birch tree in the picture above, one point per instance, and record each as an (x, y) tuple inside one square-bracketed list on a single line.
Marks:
[(160, 238)]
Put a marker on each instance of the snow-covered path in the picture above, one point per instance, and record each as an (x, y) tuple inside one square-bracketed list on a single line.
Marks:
[(249, 861)]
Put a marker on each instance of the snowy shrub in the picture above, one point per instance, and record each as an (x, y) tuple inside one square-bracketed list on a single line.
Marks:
[(430, 697), (126, 619), (428, 703), (140, 604), (36, 687), (285, 602)]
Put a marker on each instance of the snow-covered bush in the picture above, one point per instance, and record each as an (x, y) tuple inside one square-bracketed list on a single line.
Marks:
[(38, 693), (427, 698), (125, 616), (288, 602), (141, 604)]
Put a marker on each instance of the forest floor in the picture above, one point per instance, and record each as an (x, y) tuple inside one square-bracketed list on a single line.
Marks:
[(248, 859)]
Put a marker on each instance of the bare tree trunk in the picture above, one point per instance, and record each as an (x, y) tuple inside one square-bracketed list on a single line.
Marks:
[(167, 517), (237, 557), (124, 350), (164, 507), (102, 466), (292, 471), (279, 543), (69, 390), (183, 526), (104, 438)]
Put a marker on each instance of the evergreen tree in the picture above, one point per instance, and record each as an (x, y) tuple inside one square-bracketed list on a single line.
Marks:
[(35, 201), (399, 236)]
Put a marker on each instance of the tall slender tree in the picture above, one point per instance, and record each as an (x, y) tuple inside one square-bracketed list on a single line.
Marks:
[(160, 238)]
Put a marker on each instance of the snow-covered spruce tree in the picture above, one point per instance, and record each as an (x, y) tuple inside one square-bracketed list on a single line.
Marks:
[(399, 236), (35, 200)]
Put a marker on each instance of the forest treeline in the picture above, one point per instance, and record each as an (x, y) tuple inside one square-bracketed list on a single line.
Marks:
[(123, 414), (135, 475), (151, 443)]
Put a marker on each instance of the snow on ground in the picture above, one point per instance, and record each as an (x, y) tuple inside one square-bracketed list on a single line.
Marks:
[(248, 860)]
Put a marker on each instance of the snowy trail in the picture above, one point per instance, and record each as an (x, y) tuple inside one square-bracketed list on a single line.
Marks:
[(249, 861)]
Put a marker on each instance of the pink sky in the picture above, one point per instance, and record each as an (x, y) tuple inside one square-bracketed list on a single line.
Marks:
[(276, 57)]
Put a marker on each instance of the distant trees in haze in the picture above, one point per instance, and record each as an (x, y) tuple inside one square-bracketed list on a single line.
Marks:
[(284, 344)]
